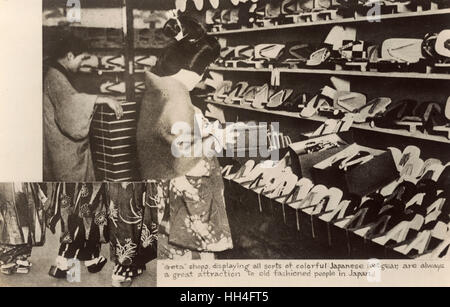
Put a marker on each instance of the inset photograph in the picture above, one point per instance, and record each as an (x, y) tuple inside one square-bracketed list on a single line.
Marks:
[(77, 234)]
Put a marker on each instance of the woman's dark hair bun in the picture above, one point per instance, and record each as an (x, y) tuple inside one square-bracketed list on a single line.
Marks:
[(191, 29), (195, 52), (172, 28)]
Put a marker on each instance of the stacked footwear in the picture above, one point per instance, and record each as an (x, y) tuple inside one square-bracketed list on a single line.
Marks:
[(342, 51), (114, 143), (336, 101), (428, 116), (17, 267), (103, 63)]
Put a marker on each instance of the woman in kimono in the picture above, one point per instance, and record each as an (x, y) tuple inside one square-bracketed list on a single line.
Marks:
[(68, 114), (80, 208), (187, 190), (22, 224), (133, 230)]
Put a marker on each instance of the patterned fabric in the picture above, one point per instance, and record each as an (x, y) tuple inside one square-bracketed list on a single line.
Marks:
[(81, 210), (133, 225), (352, 49), (22, 222), (21, 214), (194, 218)]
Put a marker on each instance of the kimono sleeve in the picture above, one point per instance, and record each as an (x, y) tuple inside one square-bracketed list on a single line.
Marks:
[(73, 110)]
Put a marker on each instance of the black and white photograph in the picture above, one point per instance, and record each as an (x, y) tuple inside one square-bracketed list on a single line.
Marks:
[(88, 234), (194, 131)]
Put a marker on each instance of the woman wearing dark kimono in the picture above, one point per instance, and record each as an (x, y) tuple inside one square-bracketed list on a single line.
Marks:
[(67, 115), (187, 190), (22, 224), (133, 230), (80, 208)]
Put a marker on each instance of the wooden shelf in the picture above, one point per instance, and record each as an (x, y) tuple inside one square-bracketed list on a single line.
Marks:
[(404, 75), (336, 21), (81, 26), (102, 72), (322, 119)]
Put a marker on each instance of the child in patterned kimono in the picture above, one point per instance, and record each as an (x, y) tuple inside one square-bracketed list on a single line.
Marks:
[(187, 190), (67, 115), (133, 230), (22, 224), (80, 209)]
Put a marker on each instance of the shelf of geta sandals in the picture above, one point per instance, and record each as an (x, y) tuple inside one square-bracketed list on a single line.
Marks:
[(406, 75), (336, 21), (318, 118)]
